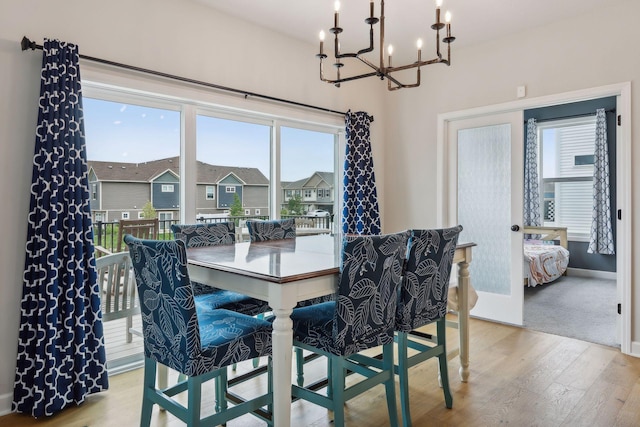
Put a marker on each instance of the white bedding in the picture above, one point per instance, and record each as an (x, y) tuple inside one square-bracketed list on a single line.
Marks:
[(544, 262)]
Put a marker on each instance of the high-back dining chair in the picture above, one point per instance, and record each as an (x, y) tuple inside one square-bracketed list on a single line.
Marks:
[(279, 229), (276, 229), (118, 290), (209, 297), (423, 300), (198, 344), (361, 317)]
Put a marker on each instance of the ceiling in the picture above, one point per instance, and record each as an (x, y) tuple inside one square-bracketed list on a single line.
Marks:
[(473, 21)]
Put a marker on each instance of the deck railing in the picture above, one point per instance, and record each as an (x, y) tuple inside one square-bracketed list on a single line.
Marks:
[(105, 234)]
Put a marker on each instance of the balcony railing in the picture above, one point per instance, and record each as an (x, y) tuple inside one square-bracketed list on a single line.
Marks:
[(105, 234)]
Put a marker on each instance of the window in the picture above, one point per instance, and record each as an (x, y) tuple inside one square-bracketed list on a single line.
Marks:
[(566, 164), (229, 150), (140, 215), (210, 192), (247, 212), (98, 217), (300, 168), (94, 191)]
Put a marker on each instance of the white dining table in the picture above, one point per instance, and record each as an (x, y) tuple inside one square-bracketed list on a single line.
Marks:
[(284, 272)]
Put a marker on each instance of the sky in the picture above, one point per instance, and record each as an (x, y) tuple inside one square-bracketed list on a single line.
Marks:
[(129, 133)]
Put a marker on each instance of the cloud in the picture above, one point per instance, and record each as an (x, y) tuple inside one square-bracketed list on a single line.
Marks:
[(117, 122), (124, 107)]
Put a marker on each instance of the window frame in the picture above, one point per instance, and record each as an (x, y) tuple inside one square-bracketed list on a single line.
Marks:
[(555, 124), (127, 87)]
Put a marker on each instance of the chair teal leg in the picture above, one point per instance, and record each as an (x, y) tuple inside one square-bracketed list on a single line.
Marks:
[(337, 386), (390, 384), (403, 376), (149, 386), (442, 361), (329, 377), (194, 389), (300, 366), (221, 390)]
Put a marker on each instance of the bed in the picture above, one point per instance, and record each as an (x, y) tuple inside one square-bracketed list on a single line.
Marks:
[(546, 256)]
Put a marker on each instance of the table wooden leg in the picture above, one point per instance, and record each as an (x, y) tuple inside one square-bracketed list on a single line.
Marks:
[(282, 345), (463, 318)]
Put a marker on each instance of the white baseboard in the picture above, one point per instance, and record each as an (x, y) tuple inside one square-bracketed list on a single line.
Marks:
[(596, 274), (5, 403), (635, 349)]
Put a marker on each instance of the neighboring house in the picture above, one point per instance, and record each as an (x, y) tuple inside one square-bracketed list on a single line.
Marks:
[(120, 190), (316, 192)]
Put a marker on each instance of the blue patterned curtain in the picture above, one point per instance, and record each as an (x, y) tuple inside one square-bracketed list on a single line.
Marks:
[(360, 214), (61, 354), (531, 182), (601, 240)]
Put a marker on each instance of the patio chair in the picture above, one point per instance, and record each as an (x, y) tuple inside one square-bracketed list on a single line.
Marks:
[(140, 228), (362, 317), (118, 290), (198, 344)]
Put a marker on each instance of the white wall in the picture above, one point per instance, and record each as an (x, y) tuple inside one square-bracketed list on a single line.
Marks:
[(176, 37), (594, 50)]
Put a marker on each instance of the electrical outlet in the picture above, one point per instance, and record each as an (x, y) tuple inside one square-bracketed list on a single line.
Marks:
[(521, 91)]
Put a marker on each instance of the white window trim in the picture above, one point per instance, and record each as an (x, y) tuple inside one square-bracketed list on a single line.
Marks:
[(125, 215), (213, 192), (230, 189), (168, 188)]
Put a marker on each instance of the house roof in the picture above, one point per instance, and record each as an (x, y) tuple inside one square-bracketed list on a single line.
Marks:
[(299, 184), (147, 171)]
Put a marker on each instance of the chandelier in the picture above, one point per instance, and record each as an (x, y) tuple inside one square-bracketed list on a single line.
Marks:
[(383, 70)]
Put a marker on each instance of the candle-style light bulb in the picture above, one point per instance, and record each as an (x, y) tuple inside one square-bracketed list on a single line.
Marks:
[(390, 50), (419, 44), (321, 35), (336, 20), (447, 17), (336, 6), (438, 3)]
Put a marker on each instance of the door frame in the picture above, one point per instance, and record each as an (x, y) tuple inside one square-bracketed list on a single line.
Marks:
[(623, 194)]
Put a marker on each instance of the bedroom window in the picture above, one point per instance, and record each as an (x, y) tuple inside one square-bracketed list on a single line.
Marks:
[(566, 164)]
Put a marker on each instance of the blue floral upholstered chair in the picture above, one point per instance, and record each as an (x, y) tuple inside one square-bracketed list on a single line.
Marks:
[(209, 297), (423, 300), (279, 229), (199, 344), (276, 229), (361, 317)]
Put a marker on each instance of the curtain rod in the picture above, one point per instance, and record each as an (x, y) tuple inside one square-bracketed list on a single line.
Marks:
[(28, 44), (572, 116)]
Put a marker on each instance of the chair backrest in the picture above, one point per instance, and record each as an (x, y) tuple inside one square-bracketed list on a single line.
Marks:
[(425, 284), (366, 301), (277, 229), (198, 235), (117, 286), (140, 228), (169, 321)]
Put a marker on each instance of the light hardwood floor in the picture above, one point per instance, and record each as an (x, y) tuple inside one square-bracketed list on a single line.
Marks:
[(519, 377)]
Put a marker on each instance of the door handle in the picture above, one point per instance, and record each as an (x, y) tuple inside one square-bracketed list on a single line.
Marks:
[(515, 227)]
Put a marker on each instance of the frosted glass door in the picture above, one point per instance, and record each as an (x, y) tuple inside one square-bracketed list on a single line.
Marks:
[(487, 156)]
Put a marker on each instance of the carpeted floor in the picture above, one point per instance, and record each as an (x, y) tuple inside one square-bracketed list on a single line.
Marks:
[(575, 307)]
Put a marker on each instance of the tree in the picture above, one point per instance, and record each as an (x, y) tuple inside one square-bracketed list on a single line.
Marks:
[(295, 204), (148, 211), (236, 207)]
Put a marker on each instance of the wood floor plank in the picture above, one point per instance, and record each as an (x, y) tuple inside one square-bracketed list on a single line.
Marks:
[(518, 377)]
